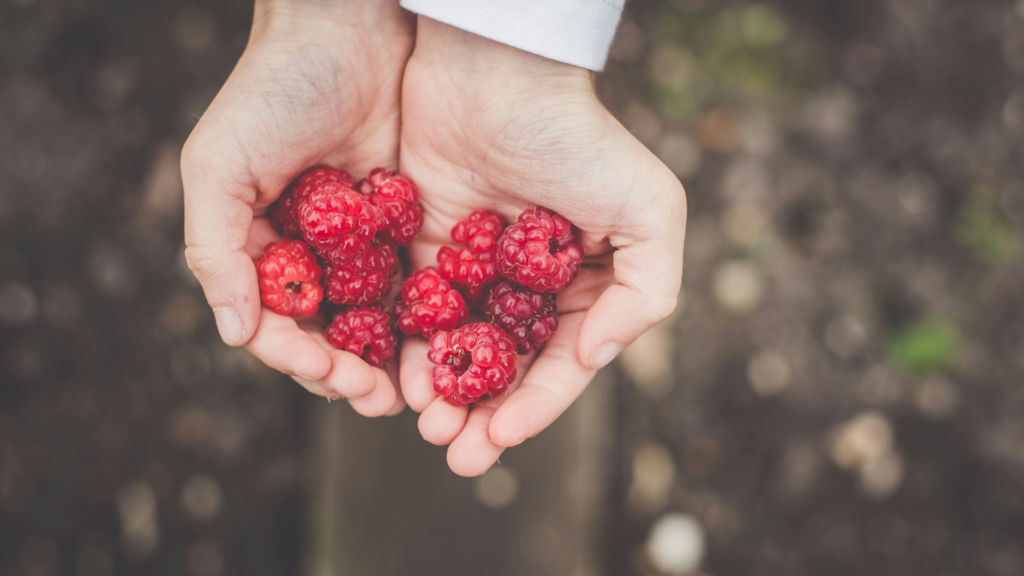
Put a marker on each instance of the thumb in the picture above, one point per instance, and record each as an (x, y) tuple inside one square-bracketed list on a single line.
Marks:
[(218, 216), (648, 269)]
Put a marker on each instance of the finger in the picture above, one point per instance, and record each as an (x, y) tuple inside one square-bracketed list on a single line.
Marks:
[(350, 377), (648, 273), (440, 422), (549, 387), (218, 215), (472, 453), (378, 402), (416, 374), (392, 369), (282, 345)]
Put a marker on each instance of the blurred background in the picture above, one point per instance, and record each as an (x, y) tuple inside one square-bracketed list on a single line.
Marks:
[(839, 393)]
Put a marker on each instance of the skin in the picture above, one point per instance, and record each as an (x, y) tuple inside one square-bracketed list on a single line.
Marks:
[(331, 98), (477, 125), (488, 126)]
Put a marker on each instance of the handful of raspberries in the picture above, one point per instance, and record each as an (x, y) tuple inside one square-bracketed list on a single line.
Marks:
[(342, 239)]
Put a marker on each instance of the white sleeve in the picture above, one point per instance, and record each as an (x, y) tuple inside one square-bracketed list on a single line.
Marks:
[(577, 32)]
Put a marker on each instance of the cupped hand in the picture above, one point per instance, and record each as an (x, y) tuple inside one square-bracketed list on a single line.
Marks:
[(319, 82), (489, 126)]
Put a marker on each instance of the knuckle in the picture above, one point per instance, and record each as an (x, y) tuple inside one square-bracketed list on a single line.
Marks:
[(199, 262), (661, 308)]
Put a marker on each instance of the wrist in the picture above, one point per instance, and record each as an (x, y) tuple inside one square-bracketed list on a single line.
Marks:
[(381, 17), (473, 60)]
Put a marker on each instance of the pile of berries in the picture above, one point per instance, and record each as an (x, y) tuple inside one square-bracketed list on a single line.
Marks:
[(514, 272), (342, 240)]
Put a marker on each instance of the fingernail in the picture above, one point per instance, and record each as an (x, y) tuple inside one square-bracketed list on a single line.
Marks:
[(604, 355), (229, 324)]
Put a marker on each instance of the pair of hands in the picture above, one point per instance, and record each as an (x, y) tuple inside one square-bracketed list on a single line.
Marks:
[(475, 124)]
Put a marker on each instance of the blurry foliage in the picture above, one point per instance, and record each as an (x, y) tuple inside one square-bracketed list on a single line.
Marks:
[(925, 347), (744, 52), (986, 232)]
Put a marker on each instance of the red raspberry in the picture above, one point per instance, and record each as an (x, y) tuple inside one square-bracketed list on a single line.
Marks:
[(282, 213), (473, 361), (364, 280), (529, 317), (399, 199), (289, 278), (540, 251), (365, 332), (428, 303), (475, 267), (338, 222)]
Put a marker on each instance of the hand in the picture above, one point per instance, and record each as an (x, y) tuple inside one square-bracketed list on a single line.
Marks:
[(489, 126), (319, 82)]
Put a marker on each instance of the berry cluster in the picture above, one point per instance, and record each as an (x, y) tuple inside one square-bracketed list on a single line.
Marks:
[(355, 230), (341, 239), (516, 271)]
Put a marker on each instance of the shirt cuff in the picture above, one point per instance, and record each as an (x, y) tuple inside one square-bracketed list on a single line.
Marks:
[(577, 32)]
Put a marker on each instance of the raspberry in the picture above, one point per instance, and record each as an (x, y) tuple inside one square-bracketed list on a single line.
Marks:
[(338, 222), (474, 267), (540, 251), (398, 198), (365, 279), (365, 332), (289, 278), (529, 317), (473, 361), (428, 303), (282, 213)]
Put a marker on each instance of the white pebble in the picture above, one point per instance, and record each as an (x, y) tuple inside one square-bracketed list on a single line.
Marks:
[(676, 544), (17, 304)]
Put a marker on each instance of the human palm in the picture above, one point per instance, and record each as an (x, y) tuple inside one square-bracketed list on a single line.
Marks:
[(316, 84), (487, 126)]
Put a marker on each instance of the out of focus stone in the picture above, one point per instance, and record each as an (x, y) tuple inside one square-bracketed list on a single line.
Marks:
[(39, 557), (18, 304), (497, 488), (205, 558), (140, 528), (769, 373), (880, 386), (648, 360), (746, 179), (116, 81), (681, 154), (937, 398), (671, 67), (202, 498), (642, 122), (162, 189), (831, 115), (717, 130), (191, 426), (181, 314), (845, 336), (799, 468), (863, 441), (702, 455), (194, 28), (110, 273), (61, 304), (737, 287), (94, 561), (676, 545), (653, 477), (883, 476), (744, 224), (629, 42)]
